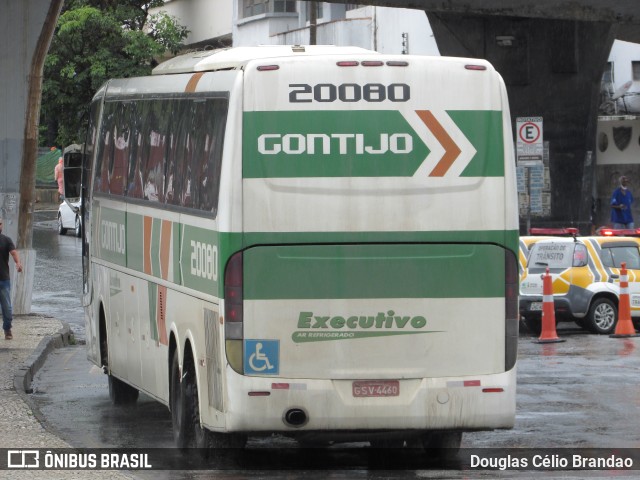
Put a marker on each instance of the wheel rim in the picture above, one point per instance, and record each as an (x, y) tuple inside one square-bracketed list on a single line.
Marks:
[(604, 316)]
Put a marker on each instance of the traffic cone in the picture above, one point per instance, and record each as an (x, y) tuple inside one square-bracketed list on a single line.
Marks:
[(548, 334), (624, 327)]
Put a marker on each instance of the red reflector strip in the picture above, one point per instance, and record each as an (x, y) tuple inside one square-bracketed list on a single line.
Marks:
[(280, 386), (396, 63), (493, 390), (259, 394), (471, 383), (571, 231), (348, 64), (475, 67), (372, 63), (263, 68)]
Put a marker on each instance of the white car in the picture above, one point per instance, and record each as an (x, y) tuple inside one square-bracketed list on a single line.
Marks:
[(69, 217)]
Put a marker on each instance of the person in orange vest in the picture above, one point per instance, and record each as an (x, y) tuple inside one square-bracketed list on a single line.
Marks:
[(59, 177)]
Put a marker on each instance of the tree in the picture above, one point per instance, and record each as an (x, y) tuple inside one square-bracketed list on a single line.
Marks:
[(96, 40)]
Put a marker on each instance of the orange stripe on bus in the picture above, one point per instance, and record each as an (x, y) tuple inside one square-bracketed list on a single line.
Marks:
[(146, 240), (193, 82), (451, 149)]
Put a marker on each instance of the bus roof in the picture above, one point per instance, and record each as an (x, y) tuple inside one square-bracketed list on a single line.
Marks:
[(233, 58)]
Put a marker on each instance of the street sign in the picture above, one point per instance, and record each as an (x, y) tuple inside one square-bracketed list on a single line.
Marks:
[(529, 145)]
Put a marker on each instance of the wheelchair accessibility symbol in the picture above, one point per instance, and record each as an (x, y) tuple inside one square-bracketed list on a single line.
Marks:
[(262, 357)]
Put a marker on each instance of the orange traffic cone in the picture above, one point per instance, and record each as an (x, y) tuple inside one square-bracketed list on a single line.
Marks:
[(548, 334), (624, 327)]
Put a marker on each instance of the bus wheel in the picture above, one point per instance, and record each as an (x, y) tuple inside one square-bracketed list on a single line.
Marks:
[(185, 413), (181, 434), (78, 228), (122, 393)]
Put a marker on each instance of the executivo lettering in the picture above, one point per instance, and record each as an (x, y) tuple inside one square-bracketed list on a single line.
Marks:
[(338, 327)]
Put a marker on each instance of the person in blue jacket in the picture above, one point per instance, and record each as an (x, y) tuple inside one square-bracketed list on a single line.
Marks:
[(621, 201)]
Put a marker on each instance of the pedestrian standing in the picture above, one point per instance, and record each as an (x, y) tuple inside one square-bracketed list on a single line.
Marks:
[(621, 201), (59, 177), (7, 248)]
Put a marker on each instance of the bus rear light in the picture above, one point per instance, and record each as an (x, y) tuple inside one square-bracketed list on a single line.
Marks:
[(475, 67), (372, 63), (397, 63), (233, 297), (267, 68), (348, 63), (259, 394), (233, 312), (493, 390)]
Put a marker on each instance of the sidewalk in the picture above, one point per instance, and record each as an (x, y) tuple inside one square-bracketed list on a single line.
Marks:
[(34, 336)]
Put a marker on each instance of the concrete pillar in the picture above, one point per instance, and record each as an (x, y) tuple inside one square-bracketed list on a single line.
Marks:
[(26, 29), (22, 283), (552, 68)]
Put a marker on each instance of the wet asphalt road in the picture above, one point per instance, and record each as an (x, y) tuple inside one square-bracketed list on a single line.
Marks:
[(57, 284), (579, 394), (582, 393)]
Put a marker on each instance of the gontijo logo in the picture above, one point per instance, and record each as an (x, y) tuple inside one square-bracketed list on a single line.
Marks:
[(372, 143), (316, 328)]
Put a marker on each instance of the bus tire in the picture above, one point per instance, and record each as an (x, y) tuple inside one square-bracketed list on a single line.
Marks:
[(181, 435), (78, 228), (185, 413), (602, 316), (122, 393)]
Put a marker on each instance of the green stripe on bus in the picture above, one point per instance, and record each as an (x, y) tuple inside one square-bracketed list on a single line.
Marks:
[(155, 247), (373, 271), (484, 130), (176, 229), (153, 312), (135, 251)]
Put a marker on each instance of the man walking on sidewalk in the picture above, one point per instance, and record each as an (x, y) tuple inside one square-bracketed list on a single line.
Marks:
[(7, 248)]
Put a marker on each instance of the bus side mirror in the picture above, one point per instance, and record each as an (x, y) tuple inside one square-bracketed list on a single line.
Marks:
[(72, 174)]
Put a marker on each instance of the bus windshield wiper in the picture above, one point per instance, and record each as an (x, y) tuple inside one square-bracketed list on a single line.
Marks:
[(542, 263)]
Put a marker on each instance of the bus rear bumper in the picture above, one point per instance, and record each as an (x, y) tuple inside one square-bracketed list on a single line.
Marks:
[(482, 402)]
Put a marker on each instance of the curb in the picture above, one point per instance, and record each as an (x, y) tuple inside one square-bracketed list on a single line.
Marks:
[(24, 376)]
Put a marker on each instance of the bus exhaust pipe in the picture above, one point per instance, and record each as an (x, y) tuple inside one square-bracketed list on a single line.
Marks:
[(295, 417)]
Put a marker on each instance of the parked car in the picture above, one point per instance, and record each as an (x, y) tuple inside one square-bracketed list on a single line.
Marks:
[(585, 275), (69, 217)]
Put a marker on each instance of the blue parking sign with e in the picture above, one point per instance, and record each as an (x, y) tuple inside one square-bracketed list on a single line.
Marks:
[(262, 357)]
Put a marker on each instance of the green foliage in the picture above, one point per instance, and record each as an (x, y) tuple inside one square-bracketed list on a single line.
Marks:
[(96, 40)]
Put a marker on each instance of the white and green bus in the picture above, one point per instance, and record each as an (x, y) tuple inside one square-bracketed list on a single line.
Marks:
[(314, 241)]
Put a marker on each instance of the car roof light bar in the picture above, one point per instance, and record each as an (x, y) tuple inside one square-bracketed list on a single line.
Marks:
[(561, 232), (618, 232)]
